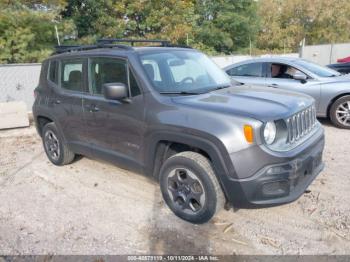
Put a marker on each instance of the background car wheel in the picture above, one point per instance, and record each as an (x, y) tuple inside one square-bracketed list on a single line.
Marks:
[(340, 112), (55, 149), (190, 187)]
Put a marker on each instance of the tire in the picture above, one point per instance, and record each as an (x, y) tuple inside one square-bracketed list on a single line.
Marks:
[(340, 112), (190, 187), (55, 148)]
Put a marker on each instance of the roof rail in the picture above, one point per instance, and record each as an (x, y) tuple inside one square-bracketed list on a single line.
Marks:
[(64, 48), (71, 48), (132, 41), (163, 43), (180, 46), (110, 43)]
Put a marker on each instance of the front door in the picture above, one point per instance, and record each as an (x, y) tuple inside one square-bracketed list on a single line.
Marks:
[(115, 128), (281, 76)]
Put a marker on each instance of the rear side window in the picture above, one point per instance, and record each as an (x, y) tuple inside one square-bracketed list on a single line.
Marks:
[(72, 74), (53, 71), (252, 70), (104, 70)]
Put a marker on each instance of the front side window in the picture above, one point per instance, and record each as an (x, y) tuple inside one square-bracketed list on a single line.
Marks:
[(250, 70), (183, 71), (53, 71), (72, 74), (104, 70), (134, 87), (283, 71)]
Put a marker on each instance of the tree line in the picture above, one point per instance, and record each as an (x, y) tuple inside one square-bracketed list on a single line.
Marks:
[(28, 27)]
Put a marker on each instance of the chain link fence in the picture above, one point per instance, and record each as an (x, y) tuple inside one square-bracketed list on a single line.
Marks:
[(17, 82)]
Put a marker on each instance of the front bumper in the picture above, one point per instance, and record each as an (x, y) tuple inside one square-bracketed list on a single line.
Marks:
[(281, 182)]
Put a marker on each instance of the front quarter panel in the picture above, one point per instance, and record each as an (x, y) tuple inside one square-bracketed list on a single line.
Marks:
[(228, 129)]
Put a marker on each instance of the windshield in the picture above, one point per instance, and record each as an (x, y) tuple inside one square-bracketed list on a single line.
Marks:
[(183, 72), (321, 71)]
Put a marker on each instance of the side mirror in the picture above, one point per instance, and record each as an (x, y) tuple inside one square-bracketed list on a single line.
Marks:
[(300, 76), (115, 91)]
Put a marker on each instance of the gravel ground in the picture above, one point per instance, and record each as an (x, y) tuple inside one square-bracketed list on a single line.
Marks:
[(92, 207)]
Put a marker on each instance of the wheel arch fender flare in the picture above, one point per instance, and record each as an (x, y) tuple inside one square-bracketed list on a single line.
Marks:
[(212, 146), (50, 116)]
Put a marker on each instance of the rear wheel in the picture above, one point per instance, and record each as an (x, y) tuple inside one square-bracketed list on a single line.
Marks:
[(190, 187), (55, 148), (340, 112)]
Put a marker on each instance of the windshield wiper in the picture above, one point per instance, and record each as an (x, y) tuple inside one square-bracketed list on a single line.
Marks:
[(220, 87), (180, 93)]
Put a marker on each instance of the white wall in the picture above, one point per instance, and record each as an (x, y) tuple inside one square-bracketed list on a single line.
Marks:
[(325, 54)]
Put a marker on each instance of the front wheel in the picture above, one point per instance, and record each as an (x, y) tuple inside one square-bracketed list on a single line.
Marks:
[(190, 187), (340, 112)]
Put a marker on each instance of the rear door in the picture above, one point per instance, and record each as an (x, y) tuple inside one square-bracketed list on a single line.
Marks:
[(249, 73), (67, 98), (115, 129)]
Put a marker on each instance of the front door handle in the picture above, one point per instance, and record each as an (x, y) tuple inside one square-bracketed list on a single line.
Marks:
[(273, 85), (57, 101), (92, 108)]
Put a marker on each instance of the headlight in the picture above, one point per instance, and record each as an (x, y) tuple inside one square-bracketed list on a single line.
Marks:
[(270, 132)]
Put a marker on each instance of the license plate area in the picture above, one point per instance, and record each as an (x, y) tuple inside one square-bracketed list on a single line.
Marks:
[(309, 164)]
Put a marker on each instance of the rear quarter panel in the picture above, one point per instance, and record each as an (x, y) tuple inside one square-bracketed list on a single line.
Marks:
[(329, 93)]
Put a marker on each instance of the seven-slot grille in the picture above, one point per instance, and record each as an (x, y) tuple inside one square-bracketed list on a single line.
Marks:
[(301, 124)]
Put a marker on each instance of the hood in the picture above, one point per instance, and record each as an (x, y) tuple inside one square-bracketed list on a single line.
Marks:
[(336, 80), (260, 103)]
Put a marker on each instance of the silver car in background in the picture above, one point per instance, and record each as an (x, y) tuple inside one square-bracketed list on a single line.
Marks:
[(329, 88)]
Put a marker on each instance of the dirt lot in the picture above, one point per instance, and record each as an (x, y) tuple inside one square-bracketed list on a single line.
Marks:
[(92, 207)]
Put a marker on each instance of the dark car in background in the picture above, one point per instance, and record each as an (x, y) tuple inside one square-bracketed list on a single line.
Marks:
[(343, 65), (343, 68)]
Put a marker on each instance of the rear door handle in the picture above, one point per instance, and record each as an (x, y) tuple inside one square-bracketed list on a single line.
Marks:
[(57, 101), (94, 108), (273, 85)]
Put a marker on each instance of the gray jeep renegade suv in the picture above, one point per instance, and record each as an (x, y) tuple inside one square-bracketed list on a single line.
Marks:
[(170, 113)]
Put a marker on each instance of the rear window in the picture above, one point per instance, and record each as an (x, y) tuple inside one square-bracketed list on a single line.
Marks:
[(53, 71), (72, 74), (252, 70)]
